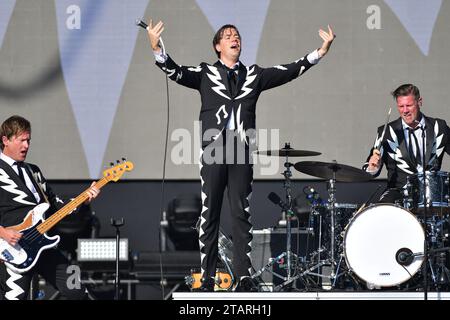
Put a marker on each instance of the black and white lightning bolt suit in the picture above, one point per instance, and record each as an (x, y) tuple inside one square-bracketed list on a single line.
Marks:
[(218, 103)]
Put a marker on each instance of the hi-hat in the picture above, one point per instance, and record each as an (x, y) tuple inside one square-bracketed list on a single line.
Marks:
[(326, 170), (287, 151)]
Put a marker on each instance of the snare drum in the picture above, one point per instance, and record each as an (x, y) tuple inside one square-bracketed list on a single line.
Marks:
[(373, 240), (436, 195)]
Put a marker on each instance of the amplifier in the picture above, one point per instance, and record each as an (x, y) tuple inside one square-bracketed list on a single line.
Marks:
[(175, 264)]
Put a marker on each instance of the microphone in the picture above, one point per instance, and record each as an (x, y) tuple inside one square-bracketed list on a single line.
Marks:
[(404, 256), (277, 200), (141, 24), (312, 195)]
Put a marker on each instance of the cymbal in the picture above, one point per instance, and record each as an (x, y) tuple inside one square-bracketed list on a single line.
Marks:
[(325, 170), (289, 153)]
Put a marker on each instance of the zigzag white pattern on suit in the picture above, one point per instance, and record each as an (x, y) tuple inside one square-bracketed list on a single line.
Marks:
[(11, 187), (15, 291)]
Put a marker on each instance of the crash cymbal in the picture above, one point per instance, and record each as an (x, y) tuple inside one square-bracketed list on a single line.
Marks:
[(325, 170)]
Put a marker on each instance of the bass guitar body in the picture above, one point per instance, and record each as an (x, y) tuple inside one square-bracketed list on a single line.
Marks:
[(24, 255)]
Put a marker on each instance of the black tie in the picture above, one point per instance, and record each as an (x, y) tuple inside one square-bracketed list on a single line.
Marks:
[(232, 78), (20, 171), (416, 157)]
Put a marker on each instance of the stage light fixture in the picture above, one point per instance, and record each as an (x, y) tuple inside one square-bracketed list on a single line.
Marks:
[(101, 249)]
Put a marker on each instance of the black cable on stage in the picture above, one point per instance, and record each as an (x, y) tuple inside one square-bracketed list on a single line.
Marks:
[(143, 25), (161, 207), (164, 179)]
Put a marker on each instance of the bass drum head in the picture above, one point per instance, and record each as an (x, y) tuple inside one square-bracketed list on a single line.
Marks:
[(372, 240)]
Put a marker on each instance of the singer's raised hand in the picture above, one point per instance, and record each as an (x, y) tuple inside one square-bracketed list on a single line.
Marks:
[(154, 34), (328, 38)]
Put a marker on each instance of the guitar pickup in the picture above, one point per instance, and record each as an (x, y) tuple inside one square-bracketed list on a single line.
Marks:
[(7, 256)]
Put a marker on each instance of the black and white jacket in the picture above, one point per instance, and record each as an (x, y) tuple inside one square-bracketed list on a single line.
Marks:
[(217, 102), (395, 155), (16, 200)]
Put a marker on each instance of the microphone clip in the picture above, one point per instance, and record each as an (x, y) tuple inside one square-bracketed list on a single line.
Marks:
[(404, 256)]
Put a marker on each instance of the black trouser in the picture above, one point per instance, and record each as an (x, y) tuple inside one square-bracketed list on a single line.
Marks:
[(237, 178), (52, 266)]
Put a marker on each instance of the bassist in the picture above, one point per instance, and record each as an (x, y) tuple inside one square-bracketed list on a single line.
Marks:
[(22, 187)]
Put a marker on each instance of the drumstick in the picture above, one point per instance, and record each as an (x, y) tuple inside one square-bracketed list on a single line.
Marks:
[(377, 148)]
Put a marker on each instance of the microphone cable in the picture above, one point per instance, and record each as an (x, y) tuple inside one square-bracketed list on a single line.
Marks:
[(143, 25), (162, 281)]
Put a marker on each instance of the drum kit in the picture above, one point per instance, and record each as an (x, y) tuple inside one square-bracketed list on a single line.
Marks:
[(376, 246), (356, 247)]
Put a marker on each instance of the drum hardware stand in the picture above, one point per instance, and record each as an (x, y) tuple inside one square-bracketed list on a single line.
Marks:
[(289, 213), (442, 274), (308, 271), (337, 272), (442, 271), (331, 186), (427, 202), (320, 249), (332, 201), (271, 262)]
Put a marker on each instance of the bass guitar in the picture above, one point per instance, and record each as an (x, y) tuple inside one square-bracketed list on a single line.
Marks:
[(23, 256)]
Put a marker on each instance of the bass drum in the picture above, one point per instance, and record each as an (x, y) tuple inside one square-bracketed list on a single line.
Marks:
[(373, 240)]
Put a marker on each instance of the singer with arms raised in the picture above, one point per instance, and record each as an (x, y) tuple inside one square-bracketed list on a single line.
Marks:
[(22, 188), (402, 148), (229, 91)]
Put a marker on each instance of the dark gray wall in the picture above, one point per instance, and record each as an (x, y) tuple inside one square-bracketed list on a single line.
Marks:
[(139, 203)]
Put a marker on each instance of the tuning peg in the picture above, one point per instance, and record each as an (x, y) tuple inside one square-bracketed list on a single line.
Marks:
[(124, 159), (111, 164)]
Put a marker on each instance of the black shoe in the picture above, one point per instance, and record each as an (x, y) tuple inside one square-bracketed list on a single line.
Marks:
[(207, 285), (246, 284)]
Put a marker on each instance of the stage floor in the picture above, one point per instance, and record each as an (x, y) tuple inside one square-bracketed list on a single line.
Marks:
[(309, 296)]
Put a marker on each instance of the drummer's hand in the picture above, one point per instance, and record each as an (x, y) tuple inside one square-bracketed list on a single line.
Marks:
[(374, 161)]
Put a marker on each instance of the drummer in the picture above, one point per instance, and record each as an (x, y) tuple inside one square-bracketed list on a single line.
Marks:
[(405, 141)]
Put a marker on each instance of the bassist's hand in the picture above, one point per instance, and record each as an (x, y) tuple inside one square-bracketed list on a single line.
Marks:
[(10, 236), (92, 193)]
